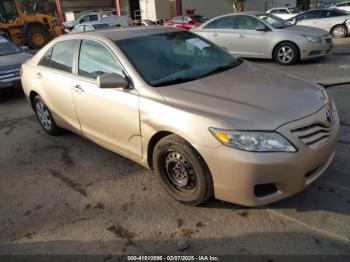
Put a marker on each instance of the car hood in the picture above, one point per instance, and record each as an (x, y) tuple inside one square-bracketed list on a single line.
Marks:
[(306, 30), (9, 61), (248, 97)]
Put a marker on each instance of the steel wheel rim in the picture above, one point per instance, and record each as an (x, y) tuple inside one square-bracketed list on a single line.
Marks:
[(43, 115), (339, 32), (285, 54), (179, 173)]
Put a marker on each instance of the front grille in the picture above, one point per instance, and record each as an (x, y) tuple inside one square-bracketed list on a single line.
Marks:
[(312, 134), (9, 74)]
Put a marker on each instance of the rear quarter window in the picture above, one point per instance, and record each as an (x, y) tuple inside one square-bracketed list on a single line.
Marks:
[(60, 56)]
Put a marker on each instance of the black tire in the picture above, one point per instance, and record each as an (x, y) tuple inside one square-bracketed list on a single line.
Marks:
[(339, 31), (48, 124), (33, 30), (173, 158), (286, 53)]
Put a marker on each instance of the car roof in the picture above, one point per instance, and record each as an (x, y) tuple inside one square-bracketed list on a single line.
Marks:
[(116, 34), (275, 8)]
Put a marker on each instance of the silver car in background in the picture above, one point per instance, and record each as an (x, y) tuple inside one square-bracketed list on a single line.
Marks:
[(334, 21), (11, 59), (262, 35), (92, 26)]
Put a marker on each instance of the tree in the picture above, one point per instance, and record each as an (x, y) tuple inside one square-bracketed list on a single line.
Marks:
[(237, 5)]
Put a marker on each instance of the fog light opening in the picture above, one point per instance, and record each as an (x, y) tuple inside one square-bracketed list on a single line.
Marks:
[(264, 190)]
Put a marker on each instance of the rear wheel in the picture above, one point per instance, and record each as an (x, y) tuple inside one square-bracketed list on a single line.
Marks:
[(182, 171), (45, 117), (37, 36), (339, 31), (286, 53)]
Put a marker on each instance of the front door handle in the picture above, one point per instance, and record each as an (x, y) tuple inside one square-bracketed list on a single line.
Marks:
[(240, 36), (215, 34), (78, 89)]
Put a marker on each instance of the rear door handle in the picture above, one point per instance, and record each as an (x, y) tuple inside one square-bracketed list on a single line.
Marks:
[(78, 89), (240, 36), (215, 34), (39, 76)]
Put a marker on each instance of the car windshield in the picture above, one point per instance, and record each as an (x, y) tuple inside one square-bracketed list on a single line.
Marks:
[(7, 48), (274, 21), (175, 57), (101, 26), (294, 10), (199, 19)]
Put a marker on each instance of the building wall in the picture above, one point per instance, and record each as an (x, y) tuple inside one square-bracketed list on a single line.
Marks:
[(86, 5), (208, 8), (260, 5)]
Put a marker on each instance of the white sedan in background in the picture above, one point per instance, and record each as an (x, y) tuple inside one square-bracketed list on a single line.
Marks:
[(334, 21), (343, 6), (285, 12)]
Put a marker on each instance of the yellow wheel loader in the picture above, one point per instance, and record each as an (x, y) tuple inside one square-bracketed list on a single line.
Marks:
[(22, 28)]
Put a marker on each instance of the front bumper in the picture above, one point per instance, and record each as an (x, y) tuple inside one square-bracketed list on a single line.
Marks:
[(10, 78), (315, 50), (237, 174)]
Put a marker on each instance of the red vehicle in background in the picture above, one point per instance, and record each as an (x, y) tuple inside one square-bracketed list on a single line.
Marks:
[(186, 22)]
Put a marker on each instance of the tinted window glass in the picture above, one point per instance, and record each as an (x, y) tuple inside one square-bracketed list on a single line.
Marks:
[(338, 12), (89, 28), (173, 58), (228, 22), (93, 18), (61, 57), (274, 21), (96, 60), (199, 18), (79, 28), (248, 22), (46, 60), (100, 26), (310, 15), (283, 11), (275, 11)]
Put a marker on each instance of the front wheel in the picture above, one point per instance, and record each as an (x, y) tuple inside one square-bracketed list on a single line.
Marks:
[(339, 31), (286, 54), (45, 117), (182, 171)]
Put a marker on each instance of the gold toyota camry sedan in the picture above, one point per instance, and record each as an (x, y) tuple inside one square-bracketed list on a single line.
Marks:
[(210, 125)]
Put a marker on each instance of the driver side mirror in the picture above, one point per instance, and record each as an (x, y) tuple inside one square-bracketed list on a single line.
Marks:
[(294, 21), (112, 80), (261, 28)]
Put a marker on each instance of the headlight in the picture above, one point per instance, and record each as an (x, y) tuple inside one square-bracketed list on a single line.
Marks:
[(253, 141), (313, 39)]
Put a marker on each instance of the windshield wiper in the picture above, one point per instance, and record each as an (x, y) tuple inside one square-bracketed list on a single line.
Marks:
[(181, 80), (220, 69)]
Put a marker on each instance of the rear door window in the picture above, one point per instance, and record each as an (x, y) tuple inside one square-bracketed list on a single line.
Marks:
[(228, 22), (60, 57)]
